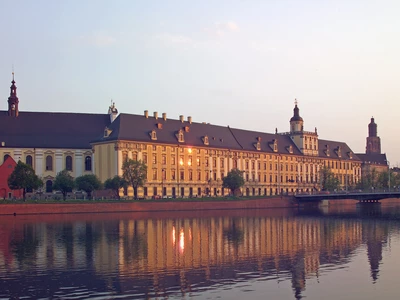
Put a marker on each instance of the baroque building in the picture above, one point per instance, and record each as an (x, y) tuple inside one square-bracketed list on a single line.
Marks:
[(184, 158)]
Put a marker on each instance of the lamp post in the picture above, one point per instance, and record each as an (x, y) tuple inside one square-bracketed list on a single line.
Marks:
[(389, 173), (162, 183)]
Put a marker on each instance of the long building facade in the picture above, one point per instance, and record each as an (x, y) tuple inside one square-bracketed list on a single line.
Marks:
[(184, 158)]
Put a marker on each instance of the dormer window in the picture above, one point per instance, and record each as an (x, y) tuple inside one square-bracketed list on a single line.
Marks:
[(339, 151), (107, 132), (350, 155), (187, 128), (257, 146), (275, 145), (180, 136), (153, 135), (290, 149), (205, 140), (159, 125), (327, 152)]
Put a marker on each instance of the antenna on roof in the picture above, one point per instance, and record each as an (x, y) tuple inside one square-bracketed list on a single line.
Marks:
[(13, 71), (295, 101)]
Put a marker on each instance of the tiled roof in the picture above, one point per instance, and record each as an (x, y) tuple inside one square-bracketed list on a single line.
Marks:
[(333, 147), (138, 128), (375, 159), (51, 130)]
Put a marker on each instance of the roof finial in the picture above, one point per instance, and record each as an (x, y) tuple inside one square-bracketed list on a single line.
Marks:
[(295, 101)]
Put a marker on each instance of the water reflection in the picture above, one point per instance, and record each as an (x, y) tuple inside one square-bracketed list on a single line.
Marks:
[(184, 254)]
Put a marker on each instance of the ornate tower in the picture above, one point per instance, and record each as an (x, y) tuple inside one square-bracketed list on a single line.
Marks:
[(305, 141), (296, 122), (13, 100), (373, 140)]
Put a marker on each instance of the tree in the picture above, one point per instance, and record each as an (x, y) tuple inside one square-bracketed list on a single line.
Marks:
[(135, 173), (64, 183), (328, 180), (233, 181), (115, 184), (24, 177), (87, 183)]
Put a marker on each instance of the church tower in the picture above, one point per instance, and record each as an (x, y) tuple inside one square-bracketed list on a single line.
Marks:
[(373, 140), (13, 99)]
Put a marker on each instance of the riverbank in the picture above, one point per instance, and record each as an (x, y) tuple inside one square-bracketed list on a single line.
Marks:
[(145, 206)]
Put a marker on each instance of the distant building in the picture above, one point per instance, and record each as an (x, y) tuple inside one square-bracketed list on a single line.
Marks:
[(373, 159), (184, 158)]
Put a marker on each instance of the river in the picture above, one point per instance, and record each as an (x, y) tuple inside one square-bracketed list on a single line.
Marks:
[(343, 252)]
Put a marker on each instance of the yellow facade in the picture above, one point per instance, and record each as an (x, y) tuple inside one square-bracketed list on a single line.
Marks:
[(48, 162), (194, 171)]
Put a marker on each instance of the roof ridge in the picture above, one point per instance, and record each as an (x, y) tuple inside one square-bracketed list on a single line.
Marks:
[(235, 137)]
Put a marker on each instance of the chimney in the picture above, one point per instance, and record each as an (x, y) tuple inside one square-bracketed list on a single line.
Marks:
[(155, 114), (164, 116), (181, 118), (190, 120), (146, 114)]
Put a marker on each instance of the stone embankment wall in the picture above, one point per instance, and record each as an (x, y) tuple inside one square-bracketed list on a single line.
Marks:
[(150, 206)]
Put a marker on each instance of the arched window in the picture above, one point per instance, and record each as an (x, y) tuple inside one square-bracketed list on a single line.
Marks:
[(28, 160), (88, 163), (49, 163), (5, 157), (68, 163), (49, 186)]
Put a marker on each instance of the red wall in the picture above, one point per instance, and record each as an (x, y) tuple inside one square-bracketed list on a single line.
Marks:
[(145, 206), (5, 170)]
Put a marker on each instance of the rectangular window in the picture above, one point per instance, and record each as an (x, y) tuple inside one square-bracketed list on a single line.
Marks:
[(190, 175), (199, 176), (215, 176), (190, 161), (265, 178), (173, 175), (154, 158), (145, 158), (155, 191), (265, 166), (207, 177), (247, 164), (182, 175), (164, 159), (181, 160), (164, 174), (154, 174), (173, 161), (164, 148), (198, 161), (222, 160), (214, 162), (206, 162), (154, 148), (145, 190)]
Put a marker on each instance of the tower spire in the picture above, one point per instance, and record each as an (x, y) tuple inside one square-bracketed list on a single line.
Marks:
[(13, 99)]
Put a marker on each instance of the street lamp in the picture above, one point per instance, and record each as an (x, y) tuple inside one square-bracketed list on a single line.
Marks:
[(389, 173)]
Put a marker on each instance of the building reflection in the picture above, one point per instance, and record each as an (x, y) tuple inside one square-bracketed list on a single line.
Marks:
[(156, 256)]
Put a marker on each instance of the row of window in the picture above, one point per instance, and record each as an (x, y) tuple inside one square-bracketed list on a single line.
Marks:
[(49, 162)]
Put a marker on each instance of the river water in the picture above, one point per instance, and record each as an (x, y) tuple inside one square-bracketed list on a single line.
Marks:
[(347, 252)]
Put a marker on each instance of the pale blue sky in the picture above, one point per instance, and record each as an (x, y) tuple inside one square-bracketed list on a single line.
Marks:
[(237, 63)]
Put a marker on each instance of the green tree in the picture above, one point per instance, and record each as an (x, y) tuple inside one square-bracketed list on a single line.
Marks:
[(115, 184), (135, 173), (328, 180), (87, 183), (64, 183), (24, 177), (233, 180)]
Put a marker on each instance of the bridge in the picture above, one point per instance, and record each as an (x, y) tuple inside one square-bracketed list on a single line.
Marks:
[(361, 197)]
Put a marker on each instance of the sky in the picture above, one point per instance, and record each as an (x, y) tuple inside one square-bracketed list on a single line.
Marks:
[(236, 63)]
